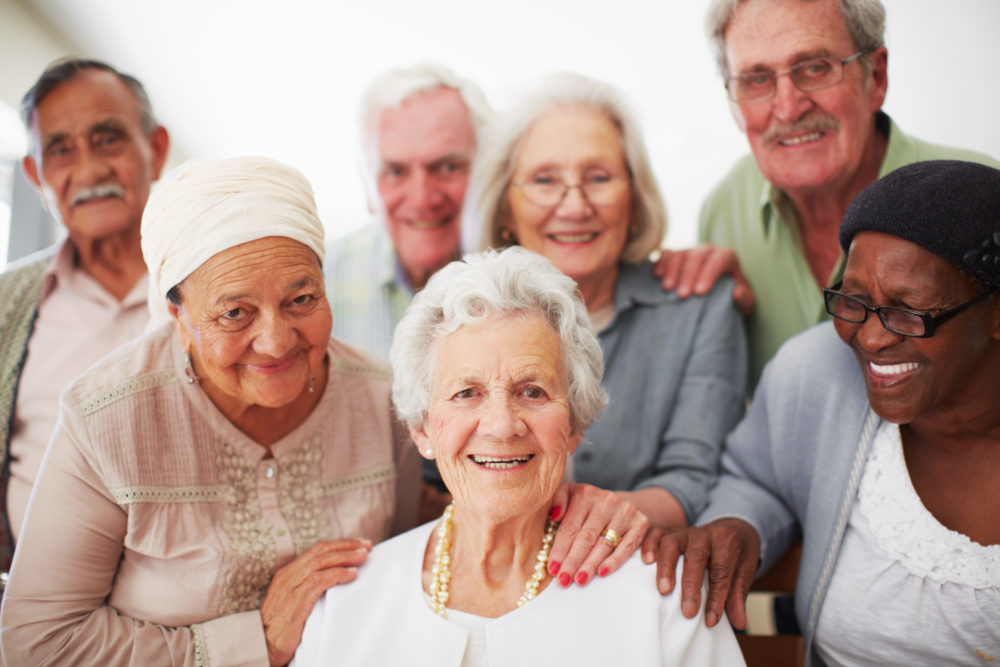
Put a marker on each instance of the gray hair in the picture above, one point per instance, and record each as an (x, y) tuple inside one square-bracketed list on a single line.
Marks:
[(488, 285), (66, 69), (865, 21), (494, 165), (391, 88)]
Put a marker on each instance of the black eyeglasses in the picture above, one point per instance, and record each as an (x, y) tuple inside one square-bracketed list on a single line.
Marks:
[(808, 75), (897, 320)]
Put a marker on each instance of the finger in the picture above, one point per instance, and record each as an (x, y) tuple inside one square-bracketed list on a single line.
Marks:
[(696, 560), (584, 542), (720, 580), (650, 543), (717, 262), (322, 555), (570, 522), (559, 501), (668, 268), (744, 298), (668, 550), (631, 540), (736, 601)]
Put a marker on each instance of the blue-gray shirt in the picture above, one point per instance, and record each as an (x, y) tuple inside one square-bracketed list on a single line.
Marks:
[(675, 370)]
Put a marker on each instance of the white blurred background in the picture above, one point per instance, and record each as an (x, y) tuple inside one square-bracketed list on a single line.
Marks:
[(230, 77)]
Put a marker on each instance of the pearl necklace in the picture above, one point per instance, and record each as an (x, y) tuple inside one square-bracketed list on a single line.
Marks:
[(441, 572)]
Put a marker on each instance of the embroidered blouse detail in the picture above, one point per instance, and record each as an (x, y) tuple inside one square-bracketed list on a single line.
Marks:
[(299, 495), (249, 533), (908, 533)]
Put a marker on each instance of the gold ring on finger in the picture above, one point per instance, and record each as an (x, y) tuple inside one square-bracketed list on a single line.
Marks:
[(612, 537)]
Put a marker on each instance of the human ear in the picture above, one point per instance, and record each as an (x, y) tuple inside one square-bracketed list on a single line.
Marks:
[(422, 440)]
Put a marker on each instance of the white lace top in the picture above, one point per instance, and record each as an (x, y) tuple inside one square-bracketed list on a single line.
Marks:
[(905, 589)]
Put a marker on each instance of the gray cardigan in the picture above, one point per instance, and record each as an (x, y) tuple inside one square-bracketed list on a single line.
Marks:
[(675, 370), (791, 469)]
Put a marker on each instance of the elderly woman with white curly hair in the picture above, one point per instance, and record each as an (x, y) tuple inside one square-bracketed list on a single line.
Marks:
[(498, 375), (565, 174)]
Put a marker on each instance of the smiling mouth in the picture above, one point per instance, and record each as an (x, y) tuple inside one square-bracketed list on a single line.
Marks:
[(431, 224), (582, 237), (500, 463), (892, 369), (100, 193), (802, 139)]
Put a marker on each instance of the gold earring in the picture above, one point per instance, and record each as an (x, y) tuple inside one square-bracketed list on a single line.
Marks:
[(508, 236)]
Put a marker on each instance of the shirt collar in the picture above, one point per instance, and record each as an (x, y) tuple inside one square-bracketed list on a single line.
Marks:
[(63, 272)]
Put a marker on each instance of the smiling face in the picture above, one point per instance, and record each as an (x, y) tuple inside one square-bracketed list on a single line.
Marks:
[(805, 140), (575, 145), (256, 321), (425, 147), (499, 421), (910, 379), (93, 165)]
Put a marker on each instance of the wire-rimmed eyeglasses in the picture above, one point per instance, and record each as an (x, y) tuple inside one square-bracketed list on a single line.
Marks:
[(807, 75)]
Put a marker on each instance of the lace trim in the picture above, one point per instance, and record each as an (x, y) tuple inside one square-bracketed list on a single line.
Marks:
[(299, 493), (200, 648), (364, 370), (126, 389), (364, 478), (128, 495), (908, 533), (249, 533)]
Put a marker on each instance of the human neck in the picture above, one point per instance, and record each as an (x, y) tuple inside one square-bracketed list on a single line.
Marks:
[(115, 261), (491, 561), (598, 290), (820, 210)]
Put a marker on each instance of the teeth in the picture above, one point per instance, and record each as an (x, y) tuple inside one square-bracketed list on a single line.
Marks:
[(574, 238), (802, 139), (894, 369), (98, 192), (495, 463)]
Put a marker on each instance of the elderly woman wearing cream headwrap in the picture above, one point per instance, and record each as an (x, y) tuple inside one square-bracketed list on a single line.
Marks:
[(197, 493)]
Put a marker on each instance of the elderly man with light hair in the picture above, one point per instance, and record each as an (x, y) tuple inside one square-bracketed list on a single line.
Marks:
[(806, 81), (421, 128), (94, 150)]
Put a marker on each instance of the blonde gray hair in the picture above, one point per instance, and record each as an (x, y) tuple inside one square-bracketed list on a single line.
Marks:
[(494, 164), (492, 284)]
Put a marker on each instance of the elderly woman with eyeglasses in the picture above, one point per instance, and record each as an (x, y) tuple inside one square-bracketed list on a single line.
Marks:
[(498, 375), (565, 174), (875, 439)]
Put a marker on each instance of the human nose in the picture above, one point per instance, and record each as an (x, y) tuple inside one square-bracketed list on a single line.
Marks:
[(89, 167), (574, 203), (789, 102), (422, 191), (275, 335), (500, 419), (872, 334)]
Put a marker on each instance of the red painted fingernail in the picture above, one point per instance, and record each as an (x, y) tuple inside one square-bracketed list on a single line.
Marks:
[(603, 572), (553, 567), (564, 579), (555, 513), (581, 578)]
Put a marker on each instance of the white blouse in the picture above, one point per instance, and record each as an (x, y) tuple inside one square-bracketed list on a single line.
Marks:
[(905, 589)]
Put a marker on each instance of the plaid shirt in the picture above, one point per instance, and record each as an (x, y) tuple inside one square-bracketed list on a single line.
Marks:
[(366, 288)]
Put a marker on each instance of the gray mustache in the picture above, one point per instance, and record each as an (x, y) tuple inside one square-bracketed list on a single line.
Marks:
[(812, 123), (98, 192)]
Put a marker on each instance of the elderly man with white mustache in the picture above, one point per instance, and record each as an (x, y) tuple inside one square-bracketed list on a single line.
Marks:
[(806, 83), (94, 149)]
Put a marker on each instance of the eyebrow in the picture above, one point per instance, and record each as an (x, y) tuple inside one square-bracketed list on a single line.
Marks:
[(800, 56), (240, 296)]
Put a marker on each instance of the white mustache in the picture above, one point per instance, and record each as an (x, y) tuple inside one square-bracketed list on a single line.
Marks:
[(98, 192), (814, 122)]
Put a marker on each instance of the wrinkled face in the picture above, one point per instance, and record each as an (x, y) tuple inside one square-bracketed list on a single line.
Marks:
[(256, 321), (575, 145), (908, 378), (425, 148), (804, 140), (92, 164), (499, 420)]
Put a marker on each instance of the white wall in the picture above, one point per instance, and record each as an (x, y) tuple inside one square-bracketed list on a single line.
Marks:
[(283, 79)]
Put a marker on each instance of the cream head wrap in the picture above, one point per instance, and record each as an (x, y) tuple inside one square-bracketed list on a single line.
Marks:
[(206, 206)]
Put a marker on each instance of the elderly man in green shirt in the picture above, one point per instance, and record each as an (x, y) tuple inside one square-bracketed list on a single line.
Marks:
[(806, 82)]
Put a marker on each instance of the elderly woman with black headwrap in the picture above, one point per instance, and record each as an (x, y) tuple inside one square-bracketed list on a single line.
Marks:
[(209, 481), (875, 439)]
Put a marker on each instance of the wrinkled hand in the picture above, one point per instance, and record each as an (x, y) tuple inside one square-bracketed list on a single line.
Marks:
[(585, 512), (297, 585), (696, 270), (727, 548)]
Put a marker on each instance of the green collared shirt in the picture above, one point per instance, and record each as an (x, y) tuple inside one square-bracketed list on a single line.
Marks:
[(748, 214)]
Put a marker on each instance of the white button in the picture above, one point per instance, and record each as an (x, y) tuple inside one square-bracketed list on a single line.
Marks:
[(269, 472)]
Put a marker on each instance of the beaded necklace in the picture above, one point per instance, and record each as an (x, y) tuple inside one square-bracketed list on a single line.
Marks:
[(441, 572)]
